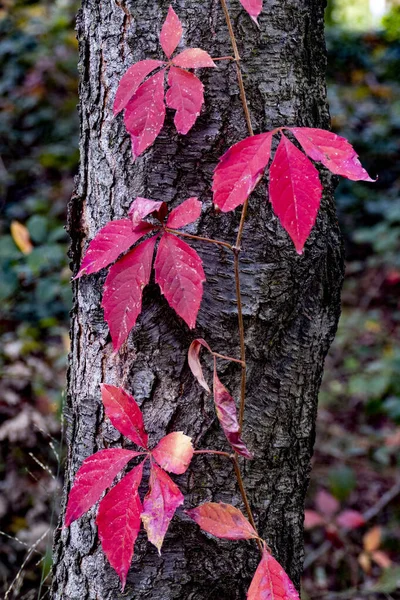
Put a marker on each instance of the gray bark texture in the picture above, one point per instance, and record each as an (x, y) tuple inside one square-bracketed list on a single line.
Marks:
[(291, 302)]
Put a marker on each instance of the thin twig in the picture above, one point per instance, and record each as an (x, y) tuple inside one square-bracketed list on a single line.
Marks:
[(223, 357), (199, 238), (245, 499)]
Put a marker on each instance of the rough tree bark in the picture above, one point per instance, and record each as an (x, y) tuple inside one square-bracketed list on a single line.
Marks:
[(291, 303)]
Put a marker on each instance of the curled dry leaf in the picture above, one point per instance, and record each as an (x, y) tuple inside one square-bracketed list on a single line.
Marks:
[(174, 452), (194, 361), (223, 521)]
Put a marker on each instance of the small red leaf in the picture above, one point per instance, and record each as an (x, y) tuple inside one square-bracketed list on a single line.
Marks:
[(118, 522), (142, 208), (294, 191), (193, 58), (223, 521), (131, 80), (326, 504), (239, 171), (124, 414), (96, 474), (179, 273), (145, 113), (312, 519), (123, 290), (174, 452), (253, 7), (271, 582), (186, 96), (171, 32), (194, 361), (160, 504), (185, 213), (350, 519), (335, 152)]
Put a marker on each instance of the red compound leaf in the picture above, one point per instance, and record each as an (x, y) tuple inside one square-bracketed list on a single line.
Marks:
[(145, 113), (174, 452), (194, 361), (186, 96), (131, 81), (294, 191), (223, 521), (270, 581), (179, 273), (142, 208), (96, 474), (326, 504), (160, 504), (335, 152), (350, 519), (193, 58), (184, 214), (312, 519), (124, 414), (123, 290), (118, 522), (171, 32), (239, 171)]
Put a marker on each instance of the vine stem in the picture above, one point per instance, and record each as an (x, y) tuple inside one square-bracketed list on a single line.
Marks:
[(200, 238), (243, 493)]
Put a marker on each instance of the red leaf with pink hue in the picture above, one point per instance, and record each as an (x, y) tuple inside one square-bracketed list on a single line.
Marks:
[(174, 452), (226, 412), (179, 273), (171, 32), (335, 152), (270, 581), (350, 519), (239, 171), (326, 504), (312, 519), (142, 208), (160, 504), (194, 361), (294, 191), (253, 7), (124, 414), (131, 80), (96, 474), (118, 522), (145, 113), (185, 213), (223, 521), (193, 58), (186, 96), (123, 290)]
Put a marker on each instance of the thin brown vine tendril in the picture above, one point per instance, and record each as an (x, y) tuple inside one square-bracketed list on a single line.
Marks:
[(199, 238)]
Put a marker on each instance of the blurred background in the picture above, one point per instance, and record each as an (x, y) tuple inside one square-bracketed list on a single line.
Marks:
[(353, 509)]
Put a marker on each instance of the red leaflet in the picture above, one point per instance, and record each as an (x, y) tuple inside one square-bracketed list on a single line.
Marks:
[(239, 171), (194, 361), (124, 414), (142, 208), (223, 521), (294, 191), (326, 504), (160, 504), (185, 213), (312, 519), (131, 80), (118, 522), (145, 113), (186, 96), (253, 7), (123, 290), (193, 58), (270, 582), (94, 476), (174, 452), (335, 152), (350, 519), (179, 273), (171, 32), (226, 413)]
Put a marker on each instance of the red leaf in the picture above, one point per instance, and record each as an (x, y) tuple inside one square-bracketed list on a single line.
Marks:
[(194, 361), (160, 504), (270, 582), (124, 414), (186, 96), (227, 416), (312, 519), (253, 7), (185, 213), (239, 171), (193, 58), (142, 208), (335, 152), (131, 80), (96, 474), (123, 290), (171, 32), (223, 521), (179, 273), (145, 113), (326, 504), (118, 522), (350, 519), (295, 192), (174, 452)]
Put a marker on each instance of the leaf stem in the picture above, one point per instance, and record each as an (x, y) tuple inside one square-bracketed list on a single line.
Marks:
[(223, 357), (199, 238), (218, 452)]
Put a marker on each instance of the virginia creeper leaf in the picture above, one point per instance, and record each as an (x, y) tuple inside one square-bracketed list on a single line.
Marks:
[(350, 519), (239, 171), (96, 474), (312, 519), (123, 290), (118, 522), (193, 58), (142, 208), (124, 414), (253, 7), (223, 521), (270, 582), (194, 361), (179, 273), (160, 504), (171, 32), (186, 96), (185, 213), (174, 452), (131, 80), (326, 504), (294, 191)]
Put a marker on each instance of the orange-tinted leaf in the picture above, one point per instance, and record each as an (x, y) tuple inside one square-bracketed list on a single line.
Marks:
[(223, 521), (131, 80), (364, 560), (312, 519), (193, 58), (174, 452), (326, 504), (124, 414), (171, 32), (271, 582), (372, 539), (20, 235), (350, 519), (194, 361)]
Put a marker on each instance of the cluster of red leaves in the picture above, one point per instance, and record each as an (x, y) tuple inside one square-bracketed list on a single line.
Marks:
[(327, 516)]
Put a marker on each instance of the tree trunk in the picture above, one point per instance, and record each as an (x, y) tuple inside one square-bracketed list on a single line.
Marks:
[(291, 303)]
